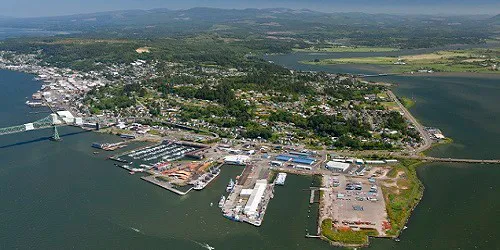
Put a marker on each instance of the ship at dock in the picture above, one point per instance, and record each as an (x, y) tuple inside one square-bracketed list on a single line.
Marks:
[(206, 178), (222, 201), (280, 179), (230, 186), (233, 217), (34, 104), (109, 146)]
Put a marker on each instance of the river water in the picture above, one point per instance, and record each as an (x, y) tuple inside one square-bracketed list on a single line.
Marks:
[(459, 209), (61, 195)]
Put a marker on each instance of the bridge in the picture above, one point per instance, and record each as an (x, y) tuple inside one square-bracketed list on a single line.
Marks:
[(54, 120), (377, 75), (454, 160)]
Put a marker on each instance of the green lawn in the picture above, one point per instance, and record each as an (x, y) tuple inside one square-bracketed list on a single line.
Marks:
[(346, 236), (401, 201), (473, 60)]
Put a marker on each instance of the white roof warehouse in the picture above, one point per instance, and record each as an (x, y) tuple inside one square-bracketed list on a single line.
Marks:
[(255, 198), (337, 166)]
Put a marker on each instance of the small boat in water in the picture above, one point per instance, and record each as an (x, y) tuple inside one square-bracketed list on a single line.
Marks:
[(222, 201), (230, 186), (207, 246)]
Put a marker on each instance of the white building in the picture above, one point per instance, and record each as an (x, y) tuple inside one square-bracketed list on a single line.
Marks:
[(236, 159), (246, 192), (66, 116), (255, 198), (337, 166), (374, 162)]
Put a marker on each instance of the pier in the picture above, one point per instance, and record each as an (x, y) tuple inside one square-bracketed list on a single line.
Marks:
[(311, 198), (313, 236), (152, 179)]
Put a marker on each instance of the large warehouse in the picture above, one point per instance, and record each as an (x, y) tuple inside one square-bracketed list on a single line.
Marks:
[(236, 159), (296, 159), (255, 198), (337, 166)]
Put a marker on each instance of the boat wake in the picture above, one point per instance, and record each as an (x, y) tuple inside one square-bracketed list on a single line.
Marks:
[(204, 245), (135, 229)]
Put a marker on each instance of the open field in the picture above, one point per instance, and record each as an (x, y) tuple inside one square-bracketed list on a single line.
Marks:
[(402, 192), (472, 60), (346, 49), (407, 102)]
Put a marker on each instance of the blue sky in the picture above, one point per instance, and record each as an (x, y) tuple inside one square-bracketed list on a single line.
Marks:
[(31, 8)]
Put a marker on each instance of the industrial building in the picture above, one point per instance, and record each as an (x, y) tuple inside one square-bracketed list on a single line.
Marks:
[(296, 159), (236, 159), (255, 198), (337, 166)]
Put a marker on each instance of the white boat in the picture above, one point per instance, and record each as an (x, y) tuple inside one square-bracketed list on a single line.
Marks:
[(230, 186), (280, 180), (222, 201)]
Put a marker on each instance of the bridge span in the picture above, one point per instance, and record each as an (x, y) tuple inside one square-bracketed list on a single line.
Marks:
[(454, 160), (54, 120)]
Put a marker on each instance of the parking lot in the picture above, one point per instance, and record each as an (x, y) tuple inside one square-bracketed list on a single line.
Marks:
[(355, 202)]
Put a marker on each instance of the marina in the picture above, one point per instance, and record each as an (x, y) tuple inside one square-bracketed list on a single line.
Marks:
[(109, 146), (169, 166)]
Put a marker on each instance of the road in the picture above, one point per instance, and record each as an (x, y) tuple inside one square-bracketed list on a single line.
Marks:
[(425, 136)]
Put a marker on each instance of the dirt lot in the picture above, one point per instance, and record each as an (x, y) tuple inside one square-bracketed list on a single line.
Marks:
[(353, 208)]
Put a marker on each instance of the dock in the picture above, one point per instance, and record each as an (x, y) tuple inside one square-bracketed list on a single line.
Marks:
[(118, 159), (311, 198), (152, 179), (313, 236)]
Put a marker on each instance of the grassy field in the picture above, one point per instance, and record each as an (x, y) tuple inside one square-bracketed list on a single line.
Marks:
[(345, 236), (472, 60), (390, 105), (346, 49), (407, 102), (401, 199)]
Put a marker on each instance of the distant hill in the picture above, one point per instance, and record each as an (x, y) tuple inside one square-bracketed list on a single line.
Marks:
[(496, 19), (200, 16), (280, 24)]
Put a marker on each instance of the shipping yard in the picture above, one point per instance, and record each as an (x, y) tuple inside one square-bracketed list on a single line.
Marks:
[(354, 203), (349, 190)]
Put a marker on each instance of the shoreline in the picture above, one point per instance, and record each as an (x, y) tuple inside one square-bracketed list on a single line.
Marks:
[(486, 74)]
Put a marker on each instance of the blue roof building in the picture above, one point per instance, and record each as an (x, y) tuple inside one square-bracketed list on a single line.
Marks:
[(296, 159)]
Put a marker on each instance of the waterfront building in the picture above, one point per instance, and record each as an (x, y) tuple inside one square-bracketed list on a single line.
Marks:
[(236, 159), (255, 198)]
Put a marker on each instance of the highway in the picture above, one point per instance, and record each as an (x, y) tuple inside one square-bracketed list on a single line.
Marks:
[(425, 136)]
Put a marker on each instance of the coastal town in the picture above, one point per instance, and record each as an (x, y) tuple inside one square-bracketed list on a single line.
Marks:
[(249, 125), (192, 139)]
